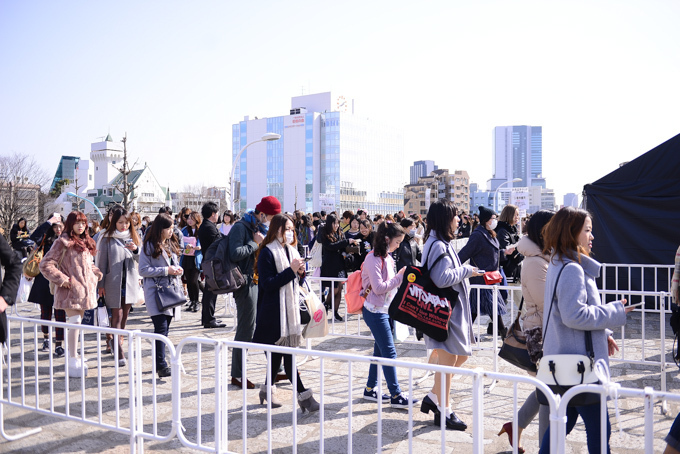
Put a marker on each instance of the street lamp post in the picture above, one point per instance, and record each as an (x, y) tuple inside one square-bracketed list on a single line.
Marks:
[(495, 194), (265, 138), (101, 217)]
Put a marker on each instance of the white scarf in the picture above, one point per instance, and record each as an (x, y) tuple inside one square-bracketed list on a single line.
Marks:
[(289, 307), (121, 235)]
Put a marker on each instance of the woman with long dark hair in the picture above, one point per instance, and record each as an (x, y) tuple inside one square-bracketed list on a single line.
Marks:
[(19, 237), (44, 237), (118, 259), (333, 244), (507, 232), (192, 256), (228, 220), (577, 308), (280, 271), (70, 266), (378, 273), (442, 224), (159, 257)]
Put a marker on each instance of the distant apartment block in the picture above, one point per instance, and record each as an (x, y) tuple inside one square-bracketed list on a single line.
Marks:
[(439, 184)]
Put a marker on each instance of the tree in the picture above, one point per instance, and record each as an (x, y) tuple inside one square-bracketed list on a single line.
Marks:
[(124, 187), (22, 179)]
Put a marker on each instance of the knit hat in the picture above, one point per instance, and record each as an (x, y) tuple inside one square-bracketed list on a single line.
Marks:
[(269, 205), (485, 214)]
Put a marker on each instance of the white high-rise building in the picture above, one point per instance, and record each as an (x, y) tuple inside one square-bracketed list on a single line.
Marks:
[(328, 158)]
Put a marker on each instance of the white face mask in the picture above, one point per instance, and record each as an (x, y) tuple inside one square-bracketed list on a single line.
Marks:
[(290, 237), (494, 224), (412, 232)]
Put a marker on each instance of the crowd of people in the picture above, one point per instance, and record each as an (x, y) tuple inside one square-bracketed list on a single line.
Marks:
[(118, 260)]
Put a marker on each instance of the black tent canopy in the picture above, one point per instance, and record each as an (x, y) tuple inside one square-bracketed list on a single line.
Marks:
[(636, 209)]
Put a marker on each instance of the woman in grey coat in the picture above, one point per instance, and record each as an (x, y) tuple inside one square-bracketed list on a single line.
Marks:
[(577, 308), (442, 224), (159, 257), (118, 258)]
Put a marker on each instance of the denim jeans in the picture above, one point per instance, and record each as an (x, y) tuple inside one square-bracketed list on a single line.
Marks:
[(591, 418), (161, 325), (383, 348)]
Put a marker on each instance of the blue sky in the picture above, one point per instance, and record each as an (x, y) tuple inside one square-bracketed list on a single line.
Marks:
[(601, 77)]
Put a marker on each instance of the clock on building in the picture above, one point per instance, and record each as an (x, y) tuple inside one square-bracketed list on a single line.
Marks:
[(341, 104)]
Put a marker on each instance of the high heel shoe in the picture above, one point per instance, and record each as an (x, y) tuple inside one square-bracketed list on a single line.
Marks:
[(263, 396), (338, 317), (427, 406), (306, 401), (507, 429)]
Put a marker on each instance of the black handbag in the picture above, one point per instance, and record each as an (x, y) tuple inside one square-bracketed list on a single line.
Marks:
[(421, 304), (514, 348), (576, 368), (169, 293)]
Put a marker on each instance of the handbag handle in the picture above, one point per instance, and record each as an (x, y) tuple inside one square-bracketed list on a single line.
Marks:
[(588, 335)]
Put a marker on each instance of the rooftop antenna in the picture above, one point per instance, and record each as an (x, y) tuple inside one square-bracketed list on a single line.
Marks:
[(302, 88)]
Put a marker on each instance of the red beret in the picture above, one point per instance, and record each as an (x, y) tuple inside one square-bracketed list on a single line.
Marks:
[(269, 205)]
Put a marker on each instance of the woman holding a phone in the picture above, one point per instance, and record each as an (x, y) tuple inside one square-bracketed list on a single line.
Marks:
[(118, 260)]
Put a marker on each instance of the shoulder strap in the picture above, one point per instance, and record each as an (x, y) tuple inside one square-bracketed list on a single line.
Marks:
[(552, 299), (443, 254)]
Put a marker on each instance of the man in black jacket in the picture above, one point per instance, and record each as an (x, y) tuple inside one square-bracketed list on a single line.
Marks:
[(244, 239), (207, 234), (10, 283)]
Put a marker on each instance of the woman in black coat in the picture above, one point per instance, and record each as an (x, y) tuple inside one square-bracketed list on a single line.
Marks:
[(483, 251), (409, 253), (45, 235), (508, 235), (18, 236), (366, 235), (333, 244), (280, 271)]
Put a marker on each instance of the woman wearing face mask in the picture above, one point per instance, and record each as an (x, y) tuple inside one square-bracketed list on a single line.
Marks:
[(69, 265), (44, 236), (333, 244), (146, 221), (420, 229), (508, 235), (118, 259), (409, 253), (483, 251), (159, 257), (378, 273), (280, 271), (191, 259)]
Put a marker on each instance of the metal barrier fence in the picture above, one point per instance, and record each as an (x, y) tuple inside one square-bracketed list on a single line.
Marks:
[(637, 277), (209, 420)]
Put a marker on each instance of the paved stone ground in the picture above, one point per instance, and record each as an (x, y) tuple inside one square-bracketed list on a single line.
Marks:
[(61, 436)]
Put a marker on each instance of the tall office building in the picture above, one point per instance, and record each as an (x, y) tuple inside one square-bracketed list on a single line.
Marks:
[(518, 153), (327, 158), (422, 169)]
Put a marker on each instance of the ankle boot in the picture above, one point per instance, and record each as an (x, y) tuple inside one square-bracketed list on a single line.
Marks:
[(306, 401), (263, 396)]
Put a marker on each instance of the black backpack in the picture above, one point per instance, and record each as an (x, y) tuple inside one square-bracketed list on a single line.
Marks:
[(221, 275)]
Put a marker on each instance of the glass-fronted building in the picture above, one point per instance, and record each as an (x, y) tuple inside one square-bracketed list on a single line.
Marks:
[(518, 153), (66, 170), (327, 159)]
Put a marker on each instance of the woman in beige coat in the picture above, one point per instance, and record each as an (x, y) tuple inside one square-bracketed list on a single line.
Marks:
[(534, 270), (69, 265)]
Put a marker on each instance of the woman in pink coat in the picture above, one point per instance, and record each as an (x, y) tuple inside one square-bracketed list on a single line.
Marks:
[(70, 266)]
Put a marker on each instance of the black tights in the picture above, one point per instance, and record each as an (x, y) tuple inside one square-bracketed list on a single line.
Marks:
[(287, 366)]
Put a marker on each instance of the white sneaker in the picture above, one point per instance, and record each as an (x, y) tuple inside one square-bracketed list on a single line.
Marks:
[(77, 368)]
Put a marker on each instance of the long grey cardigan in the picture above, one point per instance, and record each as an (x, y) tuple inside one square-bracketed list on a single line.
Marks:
[(449, 272), (577, 309), (113, 259), (149, 268)]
